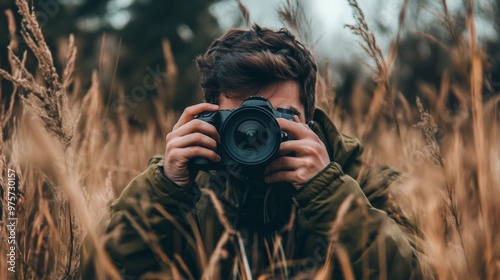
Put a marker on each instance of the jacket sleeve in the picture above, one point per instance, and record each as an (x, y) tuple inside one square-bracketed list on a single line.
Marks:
[(375, 244), (130, 247)]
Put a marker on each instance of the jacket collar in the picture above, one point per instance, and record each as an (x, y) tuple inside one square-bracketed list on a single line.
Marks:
[(344, 150)]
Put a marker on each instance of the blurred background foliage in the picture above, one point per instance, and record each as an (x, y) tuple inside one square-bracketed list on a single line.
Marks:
[(122, 39)]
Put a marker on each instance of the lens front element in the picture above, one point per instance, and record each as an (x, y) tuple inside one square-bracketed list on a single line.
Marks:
[(251, 136)]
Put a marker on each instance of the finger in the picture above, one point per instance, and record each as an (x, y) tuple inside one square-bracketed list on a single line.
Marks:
[(193, 139), (297, 147), (288, 147), (191, 111), (282, 163), (194, 126), (297, 130), (280, 176), (301, 147), (196, 151)]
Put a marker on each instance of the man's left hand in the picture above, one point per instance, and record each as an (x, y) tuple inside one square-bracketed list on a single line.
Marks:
[(309, 156)]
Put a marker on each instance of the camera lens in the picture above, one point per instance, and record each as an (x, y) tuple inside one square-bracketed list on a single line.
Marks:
[(251, 136)]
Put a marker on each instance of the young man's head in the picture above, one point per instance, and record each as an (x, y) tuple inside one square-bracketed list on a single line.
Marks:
[(242, 63)]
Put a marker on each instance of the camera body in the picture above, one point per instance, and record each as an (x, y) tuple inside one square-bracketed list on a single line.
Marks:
[(250, 137)]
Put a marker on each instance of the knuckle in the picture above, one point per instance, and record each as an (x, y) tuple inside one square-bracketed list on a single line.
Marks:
[(169, 137), (197, 150), (198, 123), (172, 144), (315, 147), (176, 124), (168, 147), (213, 144), (301, 176), (319, 145), (207, 126), (195, 122), (197, 137), (308, 149), (173, 154), (190, 110)]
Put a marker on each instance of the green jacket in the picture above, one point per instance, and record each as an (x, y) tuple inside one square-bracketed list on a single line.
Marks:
[(183, 219)]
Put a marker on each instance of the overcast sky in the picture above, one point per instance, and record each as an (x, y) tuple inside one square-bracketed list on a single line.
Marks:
[(328, 18)]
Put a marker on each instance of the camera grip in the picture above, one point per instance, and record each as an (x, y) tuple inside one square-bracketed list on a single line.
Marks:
[(199, 163)]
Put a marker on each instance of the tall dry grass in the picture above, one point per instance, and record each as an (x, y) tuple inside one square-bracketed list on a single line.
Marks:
[(72, 155)]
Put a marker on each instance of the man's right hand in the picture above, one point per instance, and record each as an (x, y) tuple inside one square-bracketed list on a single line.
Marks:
[(189, 138)]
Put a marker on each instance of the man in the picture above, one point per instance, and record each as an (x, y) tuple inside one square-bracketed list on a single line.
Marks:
[(284, 215)]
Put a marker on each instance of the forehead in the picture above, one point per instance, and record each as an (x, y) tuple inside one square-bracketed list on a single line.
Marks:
[(282, 94)]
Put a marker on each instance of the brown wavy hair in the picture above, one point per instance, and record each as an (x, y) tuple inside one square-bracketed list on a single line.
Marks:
[(246, 60)]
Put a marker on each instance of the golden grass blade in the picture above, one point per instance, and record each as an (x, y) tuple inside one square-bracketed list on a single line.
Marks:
[(200, 248), (245, 270), (483, 168), (245, 12), (210, 271), (219, 209), (14, 43), (325, 271), (69, 69), (171, 77)]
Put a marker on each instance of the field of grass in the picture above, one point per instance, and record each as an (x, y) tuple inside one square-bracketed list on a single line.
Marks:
[(71, 152)]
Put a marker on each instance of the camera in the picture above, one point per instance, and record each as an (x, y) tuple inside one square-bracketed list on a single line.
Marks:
[(250, 137)]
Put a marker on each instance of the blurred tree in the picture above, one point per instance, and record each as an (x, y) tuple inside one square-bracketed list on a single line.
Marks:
[(186, 24), (423, 61), (142, 24)]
